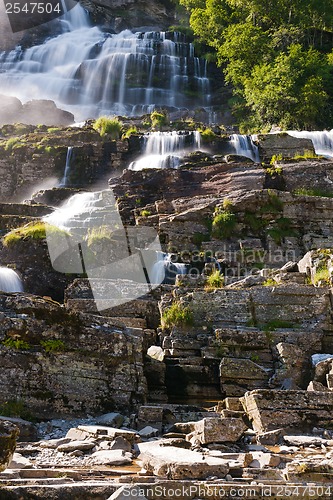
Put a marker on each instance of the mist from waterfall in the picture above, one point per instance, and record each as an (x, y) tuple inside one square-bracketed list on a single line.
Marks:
[(91, 73), (165, 149)]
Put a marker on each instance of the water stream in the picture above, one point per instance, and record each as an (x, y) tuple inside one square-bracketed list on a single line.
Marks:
[(10, 280), (91, 73)]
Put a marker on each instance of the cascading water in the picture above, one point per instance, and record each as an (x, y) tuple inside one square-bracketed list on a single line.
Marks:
[(10, 280), (90, 72), (69, 156), (322, 140), (245, 146), (165, 149), (166, 269)]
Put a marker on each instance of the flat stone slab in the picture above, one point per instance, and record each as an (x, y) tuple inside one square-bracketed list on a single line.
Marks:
[(110, 457), (83, 432), (178, 463), (292, 410)]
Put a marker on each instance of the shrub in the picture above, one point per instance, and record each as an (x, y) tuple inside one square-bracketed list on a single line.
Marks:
[(215, 280), (273, 205), (276, 158), (322, 277), (313, 192), (223, 224), (145, 213), (270, 282), (17, 344), (130, 131), (159, 119), (33, 230), (98, 234), (53, 345), (207, 135), (177, 315), (13, 141), (307, 155), (111, 126), (274, 324)]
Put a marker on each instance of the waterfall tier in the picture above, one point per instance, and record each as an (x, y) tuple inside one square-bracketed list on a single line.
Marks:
[(322, 140), (165, 149), (91, 73), (244, 145), (10, 280)]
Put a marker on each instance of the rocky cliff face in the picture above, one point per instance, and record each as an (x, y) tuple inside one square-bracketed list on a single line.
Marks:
[(128, 14)]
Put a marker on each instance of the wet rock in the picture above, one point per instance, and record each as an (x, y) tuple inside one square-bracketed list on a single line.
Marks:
[(8, 435)]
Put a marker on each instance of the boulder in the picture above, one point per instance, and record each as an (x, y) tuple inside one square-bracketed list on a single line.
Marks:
[(8, 435), (177, 463), (76, 445), (292, 410), (110, 419), (217, 430), (83, 432), (28, 431)]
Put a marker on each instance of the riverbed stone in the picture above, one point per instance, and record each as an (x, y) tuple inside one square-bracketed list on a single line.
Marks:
[(217, 430)]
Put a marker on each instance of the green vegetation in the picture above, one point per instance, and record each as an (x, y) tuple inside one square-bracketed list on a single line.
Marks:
[(277, 56), (307, 155), (145, 213), (199, 238), (33, 230), (53, 345), (16, 343), (11, 143), (214, 280), (282, 228), (270, 282), (321, 277), (274, 204), (177, 315), (111, 126), (223, 224), (313, 192), (16, 409), (159, 119), (51, 130), (98, 235), (207, 135), (275, 324), (274, 171), (129, 132)]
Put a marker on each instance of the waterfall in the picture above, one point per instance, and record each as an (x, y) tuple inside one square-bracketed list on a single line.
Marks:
[(165, 269), (165, 149), (64, 180), (10, 280), (322, 140), (244, 146), (91, 73)]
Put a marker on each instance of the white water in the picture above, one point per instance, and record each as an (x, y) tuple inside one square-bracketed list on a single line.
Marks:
[(69, 156), (322, 140), (165, 149), (10, 281), (92, 73), (244, 146), (165, 264)]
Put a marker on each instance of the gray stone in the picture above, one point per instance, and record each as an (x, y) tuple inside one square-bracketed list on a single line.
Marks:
[(110, 419), (19, 462), (76, 445), (28, 431), (83, 432), (148, 432), (217, 430), (271, 437), (305, 441), (110, 457), (177, 463)]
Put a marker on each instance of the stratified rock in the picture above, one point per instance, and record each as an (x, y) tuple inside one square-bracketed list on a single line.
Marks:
[(243, 375), (217, 430), (177, 463), (76, 445), (292, 410), (83, 432), (283, 144), (8, 436)]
